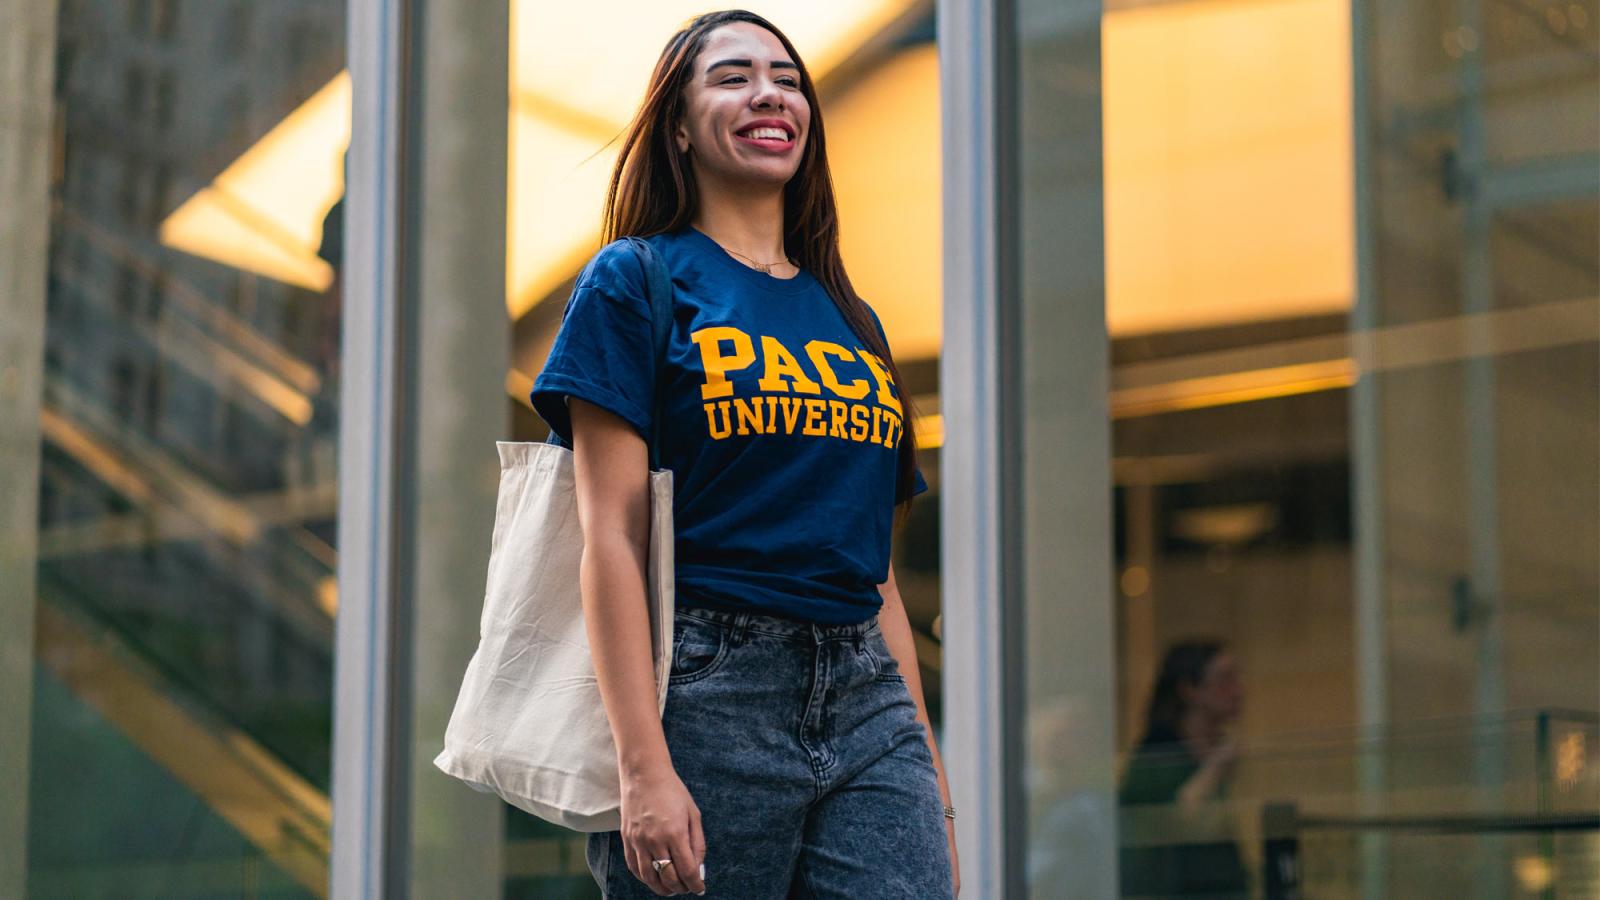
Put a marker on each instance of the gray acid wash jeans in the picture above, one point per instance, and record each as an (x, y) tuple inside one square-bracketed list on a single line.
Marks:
[(799, 743)]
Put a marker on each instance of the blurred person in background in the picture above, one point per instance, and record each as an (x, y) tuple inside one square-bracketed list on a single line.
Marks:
[(1181, 844), (1070, 819)]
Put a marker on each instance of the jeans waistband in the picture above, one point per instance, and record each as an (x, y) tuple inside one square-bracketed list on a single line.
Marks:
[(740, 623)]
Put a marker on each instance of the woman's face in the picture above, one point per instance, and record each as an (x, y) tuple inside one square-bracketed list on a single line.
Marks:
[(1219, 692), (744, 85)]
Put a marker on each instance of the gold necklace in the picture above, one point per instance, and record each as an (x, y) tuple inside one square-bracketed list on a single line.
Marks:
[(763, 268)]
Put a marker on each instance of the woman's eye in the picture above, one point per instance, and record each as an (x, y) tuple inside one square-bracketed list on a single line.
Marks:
[(736, 79)]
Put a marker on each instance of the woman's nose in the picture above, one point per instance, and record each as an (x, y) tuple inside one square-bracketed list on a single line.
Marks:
[(769, 95)]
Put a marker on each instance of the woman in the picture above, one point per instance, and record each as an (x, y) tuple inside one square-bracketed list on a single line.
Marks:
[(794, 757), (1184, 762)]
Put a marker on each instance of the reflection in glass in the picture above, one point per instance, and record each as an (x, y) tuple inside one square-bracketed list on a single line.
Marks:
[(1351, 281), (1184, 762), (186, 524)]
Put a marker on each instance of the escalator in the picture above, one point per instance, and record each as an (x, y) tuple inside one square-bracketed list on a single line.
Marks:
[(278, 810), (186, 596), (186, 593)]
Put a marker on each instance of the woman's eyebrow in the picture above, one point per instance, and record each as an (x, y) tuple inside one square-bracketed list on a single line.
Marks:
[(776, 64)]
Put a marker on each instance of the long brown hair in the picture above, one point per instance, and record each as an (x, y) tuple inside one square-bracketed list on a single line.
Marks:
[(1184, 664), (653, 191)]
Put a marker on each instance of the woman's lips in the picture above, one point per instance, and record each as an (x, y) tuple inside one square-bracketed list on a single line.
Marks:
[(772, 145)]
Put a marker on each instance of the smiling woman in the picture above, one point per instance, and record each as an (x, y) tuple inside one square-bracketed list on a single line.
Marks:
[(777, 408), (768, 202)]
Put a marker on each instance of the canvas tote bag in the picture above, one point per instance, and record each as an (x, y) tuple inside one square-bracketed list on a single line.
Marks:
[(529, 723)]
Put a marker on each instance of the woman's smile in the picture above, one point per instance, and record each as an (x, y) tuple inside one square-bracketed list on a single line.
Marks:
[(768, 134)]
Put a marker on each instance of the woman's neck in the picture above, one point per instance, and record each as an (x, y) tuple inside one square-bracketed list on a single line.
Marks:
[(751, 224), (1198, 731)]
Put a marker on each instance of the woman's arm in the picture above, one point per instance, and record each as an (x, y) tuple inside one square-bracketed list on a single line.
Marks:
[(609, 459), (611, 464), (1206, 783), (897, 634)]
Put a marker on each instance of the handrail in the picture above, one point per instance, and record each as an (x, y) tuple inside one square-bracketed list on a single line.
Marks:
[(1282, 824)]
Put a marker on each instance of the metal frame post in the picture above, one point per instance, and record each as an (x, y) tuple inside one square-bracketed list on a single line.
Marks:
[(971, 393), (369, 757)]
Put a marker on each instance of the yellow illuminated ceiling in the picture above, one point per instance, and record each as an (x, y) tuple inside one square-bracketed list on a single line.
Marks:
[(883, 148), (579, 71), (264, 212), (1228, 179), (1228, 173)]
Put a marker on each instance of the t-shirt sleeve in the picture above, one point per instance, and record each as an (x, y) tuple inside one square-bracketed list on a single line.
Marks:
[(604, 349), (918, 483)]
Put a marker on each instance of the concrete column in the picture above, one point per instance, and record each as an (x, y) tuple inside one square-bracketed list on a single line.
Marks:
[(1029, 645), (27, 71), (461, 355), (423, 365)]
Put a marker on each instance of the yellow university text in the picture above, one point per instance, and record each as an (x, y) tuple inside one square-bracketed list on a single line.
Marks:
[(794, 398)]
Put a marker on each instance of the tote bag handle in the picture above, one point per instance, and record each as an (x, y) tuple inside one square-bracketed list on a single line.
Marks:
[(658, 288)]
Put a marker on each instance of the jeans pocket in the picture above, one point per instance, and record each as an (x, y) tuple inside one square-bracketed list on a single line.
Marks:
[(888, 667), (698, 649)]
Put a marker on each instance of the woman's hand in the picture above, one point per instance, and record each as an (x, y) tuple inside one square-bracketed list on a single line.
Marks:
[(1223, 753), (1206, 783), (661, 821)]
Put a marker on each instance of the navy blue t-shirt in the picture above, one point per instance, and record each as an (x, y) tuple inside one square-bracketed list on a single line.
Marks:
[(780, 429)]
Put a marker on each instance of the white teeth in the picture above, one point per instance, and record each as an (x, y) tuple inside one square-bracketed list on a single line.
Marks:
[(776, 133)]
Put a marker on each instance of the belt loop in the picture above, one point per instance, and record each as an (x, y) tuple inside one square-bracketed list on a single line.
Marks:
[(736, 631)]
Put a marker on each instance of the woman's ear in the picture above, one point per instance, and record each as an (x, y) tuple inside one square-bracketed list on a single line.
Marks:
[(682, 137)]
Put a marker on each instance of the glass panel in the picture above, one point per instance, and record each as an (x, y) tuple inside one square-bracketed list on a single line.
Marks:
[(561, 123), (187, 492), (1350, 291), (1485, 224)]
